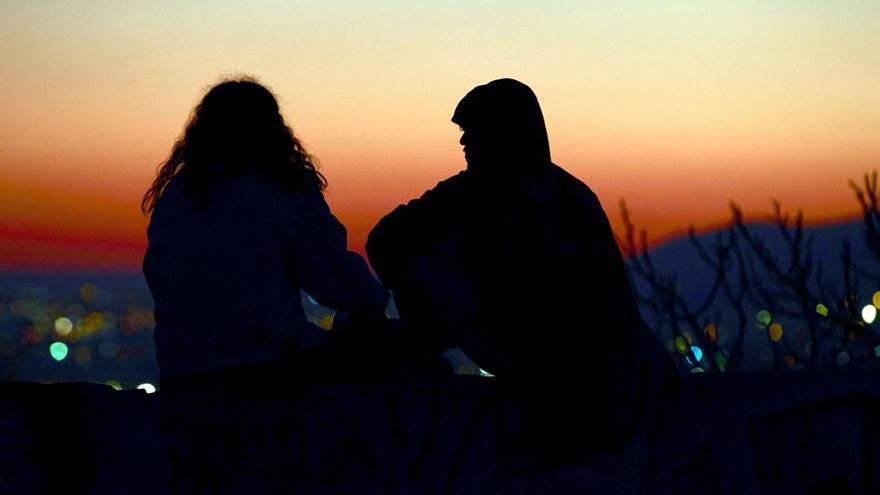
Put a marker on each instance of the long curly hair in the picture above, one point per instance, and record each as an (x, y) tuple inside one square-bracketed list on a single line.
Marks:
[(236, 129)]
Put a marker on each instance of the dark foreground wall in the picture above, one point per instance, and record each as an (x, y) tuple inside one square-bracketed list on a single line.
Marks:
[(757, 433)]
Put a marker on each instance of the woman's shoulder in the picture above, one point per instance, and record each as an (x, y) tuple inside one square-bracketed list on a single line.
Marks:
[(241, 194)]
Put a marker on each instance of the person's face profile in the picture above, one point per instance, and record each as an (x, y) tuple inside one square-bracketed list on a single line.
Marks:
[(477, 146), (466, 141)]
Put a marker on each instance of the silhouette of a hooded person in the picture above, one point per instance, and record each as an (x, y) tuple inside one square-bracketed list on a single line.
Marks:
[(513, 260)]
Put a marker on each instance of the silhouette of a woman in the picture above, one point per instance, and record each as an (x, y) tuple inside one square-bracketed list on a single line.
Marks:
[(239, 225)]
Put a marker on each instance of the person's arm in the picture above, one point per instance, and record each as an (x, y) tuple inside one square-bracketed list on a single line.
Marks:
[(324, 268), (418, 227)]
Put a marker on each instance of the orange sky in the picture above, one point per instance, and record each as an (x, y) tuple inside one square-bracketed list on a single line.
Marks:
[(676, 106)]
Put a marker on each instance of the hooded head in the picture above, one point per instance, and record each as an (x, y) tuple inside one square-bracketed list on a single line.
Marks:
[(503, 127)]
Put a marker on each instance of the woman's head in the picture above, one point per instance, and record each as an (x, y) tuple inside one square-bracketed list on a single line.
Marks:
[(236, 129)]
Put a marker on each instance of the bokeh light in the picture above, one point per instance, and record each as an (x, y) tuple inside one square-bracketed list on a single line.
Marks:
[(63, 326), (30, 335), (326, 321), (58, 351), (876, 299), (93, 322), (869, 313), (147, 387), (775, 332), (822, 309), (113, 383), (698, 353), (88, 292), (711, 332), (843, 359), (681, 345), (764, 317), (721, 361)]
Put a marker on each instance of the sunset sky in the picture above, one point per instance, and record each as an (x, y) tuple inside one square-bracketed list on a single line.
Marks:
[(677, 106)]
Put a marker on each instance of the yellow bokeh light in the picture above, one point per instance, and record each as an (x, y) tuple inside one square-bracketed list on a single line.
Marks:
[(681, 345), (63, 326), (325, 322), (93, 322), (775, 332), (876, 299)]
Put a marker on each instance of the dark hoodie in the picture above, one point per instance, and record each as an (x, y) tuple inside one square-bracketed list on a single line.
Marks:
[(514, 260)]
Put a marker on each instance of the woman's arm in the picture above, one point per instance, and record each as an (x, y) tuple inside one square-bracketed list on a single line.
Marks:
[(323, 266)]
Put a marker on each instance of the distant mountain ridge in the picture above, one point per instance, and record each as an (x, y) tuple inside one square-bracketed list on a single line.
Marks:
[(771, 323), (679, 257)]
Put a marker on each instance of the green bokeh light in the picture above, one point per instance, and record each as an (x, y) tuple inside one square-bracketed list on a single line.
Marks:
[(721, 361), (764, 317), (58, 351)]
